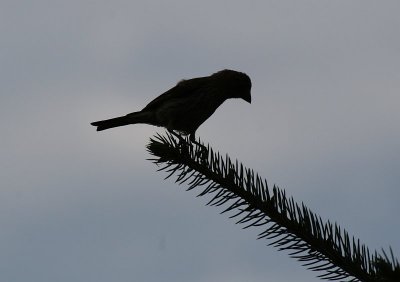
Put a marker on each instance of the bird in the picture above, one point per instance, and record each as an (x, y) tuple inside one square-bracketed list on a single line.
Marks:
[(188, 104)]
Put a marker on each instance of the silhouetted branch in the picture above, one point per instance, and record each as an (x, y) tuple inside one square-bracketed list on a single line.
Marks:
[(321, 246)]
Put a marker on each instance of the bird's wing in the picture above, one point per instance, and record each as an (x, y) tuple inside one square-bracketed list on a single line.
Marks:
[(183, 89)]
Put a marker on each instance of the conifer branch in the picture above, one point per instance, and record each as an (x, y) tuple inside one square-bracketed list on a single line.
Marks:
[(320, 246)]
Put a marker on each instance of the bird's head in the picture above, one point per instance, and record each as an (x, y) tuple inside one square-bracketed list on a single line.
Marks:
[(237, 84)]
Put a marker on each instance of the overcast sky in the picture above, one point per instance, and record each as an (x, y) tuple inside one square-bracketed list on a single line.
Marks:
[(79, 205)]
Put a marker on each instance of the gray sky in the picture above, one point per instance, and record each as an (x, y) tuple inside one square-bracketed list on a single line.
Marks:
[(78, 205)]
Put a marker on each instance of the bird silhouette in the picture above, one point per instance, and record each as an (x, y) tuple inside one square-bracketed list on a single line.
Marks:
[(187, 105)]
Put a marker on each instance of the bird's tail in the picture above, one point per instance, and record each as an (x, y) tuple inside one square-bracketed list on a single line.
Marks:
[(137, 117)]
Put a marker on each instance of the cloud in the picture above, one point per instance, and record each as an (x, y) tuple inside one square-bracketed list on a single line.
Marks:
[(80, 205)]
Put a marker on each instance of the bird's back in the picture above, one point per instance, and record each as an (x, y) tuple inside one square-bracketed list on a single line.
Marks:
[(182, 90)]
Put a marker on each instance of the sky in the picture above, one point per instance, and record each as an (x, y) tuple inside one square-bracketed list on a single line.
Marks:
[(80, 205)]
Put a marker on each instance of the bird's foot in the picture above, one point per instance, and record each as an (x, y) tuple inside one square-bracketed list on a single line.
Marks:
[(182, 142), (202, 154)]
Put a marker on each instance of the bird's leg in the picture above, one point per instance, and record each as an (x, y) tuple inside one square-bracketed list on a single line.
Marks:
[(176, 135), (203, 153), (192, 139), (181, 140)]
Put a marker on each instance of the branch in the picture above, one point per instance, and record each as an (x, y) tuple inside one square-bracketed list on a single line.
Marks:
[(320, 246)]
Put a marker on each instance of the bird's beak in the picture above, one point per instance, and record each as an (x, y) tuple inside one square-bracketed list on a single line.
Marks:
[(247, 99)]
